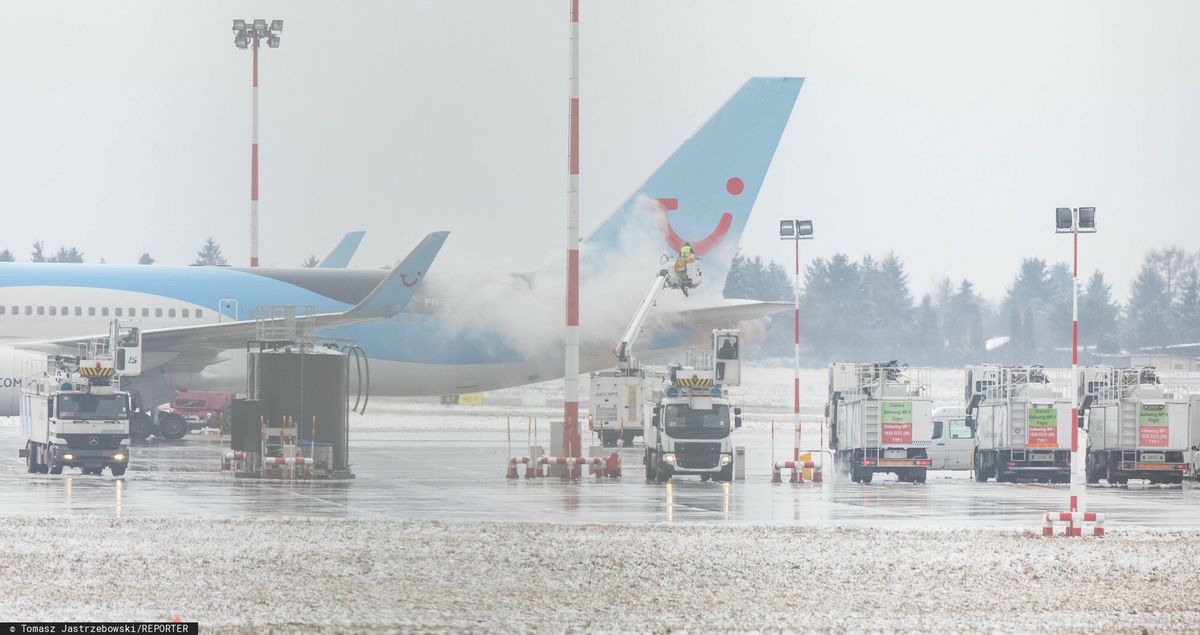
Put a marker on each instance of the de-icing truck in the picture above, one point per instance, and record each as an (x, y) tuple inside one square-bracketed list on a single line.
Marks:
[(1022, 421), (692, 420), (880, 420), (1137, 422), (73, 411)]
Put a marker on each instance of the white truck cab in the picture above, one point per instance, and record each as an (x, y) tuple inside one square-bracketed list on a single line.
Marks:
[(691, 424), (952, 442)]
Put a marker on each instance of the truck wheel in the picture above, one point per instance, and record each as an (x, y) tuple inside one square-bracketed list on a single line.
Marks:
[(172, 426), (648, 460), (1001, 471), (1093, 472), (117, 470), (919, 478), (140, 426), (980, 472), (663, 474), (31, 463), (727, 474), (867, 475), (55, 468)]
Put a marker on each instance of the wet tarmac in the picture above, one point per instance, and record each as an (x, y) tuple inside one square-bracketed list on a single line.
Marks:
[(458, 474)]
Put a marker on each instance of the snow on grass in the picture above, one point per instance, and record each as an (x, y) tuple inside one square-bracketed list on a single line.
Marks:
[(293, 574)]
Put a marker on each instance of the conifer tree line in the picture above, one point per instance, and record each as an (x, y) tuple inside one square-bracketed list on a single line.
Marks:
[(208, 254), (864, 310)]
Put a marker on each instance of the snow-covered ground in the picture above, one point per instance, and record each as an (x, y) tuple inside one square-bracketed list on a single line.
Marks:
[(306, 575)]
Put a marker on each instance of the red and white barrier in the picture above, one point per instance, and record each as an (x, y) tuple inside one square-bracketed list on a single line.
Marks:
[(308, 466), (1075, 522), (229, 458), (601, 465), (797, 468)]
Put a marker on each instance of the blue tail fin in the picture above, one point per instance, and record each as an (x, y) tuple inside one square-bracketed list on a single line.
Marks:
[(340, 257), (705, 191)]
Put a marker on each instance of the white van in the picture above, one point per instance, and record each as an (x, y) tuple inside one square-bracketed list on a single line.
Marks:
[(952, 442)]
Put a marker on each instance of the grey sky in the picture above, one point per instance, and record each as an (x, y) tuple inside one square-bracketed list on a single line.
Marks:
[(945, 131)]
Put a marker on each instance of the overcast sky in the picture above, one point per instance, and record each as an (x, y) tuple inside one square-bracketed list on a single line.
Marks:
[(944, 131)]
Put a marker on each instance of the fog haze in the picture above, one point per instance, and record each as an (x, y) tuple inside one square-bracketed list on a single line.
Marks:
[(944, 131)]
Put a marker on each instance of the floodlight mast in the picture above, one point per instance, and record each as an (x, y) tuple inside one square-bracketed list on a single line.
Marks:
[(1075, 221), (246, 34), (795, 231)]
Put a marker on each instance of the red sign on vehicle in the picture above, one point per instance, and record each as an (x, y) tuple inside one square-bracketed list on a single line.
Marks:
[(1153, 431), (1043, 428), (896, 423)]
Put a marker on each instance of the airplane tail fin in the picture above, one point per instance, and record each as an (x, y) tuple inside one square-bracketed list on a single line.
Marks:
[(705, 191), (340, 257)]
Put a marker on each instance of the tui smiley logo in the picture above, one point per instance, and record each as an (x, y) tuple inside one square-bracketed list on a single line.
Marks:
[(734, 186), (404, 279)]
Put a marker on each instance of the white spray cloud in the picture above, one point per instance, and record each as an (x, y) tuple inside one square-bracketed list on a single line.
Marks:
[(527, 311)]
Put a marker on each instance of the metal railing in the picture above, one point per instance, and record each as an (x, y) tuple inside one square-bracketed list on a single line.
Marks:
[(285, 323), (873, 378)]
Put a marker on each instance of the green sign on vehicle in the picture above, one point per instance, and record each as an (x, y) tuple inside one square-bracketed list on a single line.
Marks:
[(896, 412), (1153, 415)]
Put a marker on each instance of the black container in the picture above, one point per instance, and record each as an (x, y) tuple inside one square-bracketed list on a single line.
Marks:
[(244, 425), (311, 389)]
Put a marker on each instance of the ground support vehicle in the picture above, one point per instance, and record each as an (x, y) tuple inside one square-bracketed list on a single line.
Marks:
[(617, 395), (952, 441), (1021, 416), (1137, 424), (73, 411), (880, 418), (201, 409), (690, 425)]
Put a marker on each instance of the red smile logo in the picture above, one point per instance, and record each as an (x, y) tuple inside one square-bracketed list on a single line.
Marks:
[(404, 279), (734, 186)]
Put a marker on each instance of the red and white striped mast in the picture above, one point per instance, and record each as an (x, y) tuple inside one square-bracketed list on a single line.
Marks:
[(795, 231), (571, 441), (1074, 221), (247, 34)]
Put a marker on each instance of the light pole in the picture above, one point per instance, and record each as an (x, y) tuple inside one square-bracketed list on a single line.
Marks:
[(1075, 221), (246, 34), (795, 231)]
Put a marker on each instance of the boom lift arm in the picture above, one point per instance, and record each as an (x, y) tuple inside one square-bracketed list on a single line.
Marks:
[(625, 360), (687, 278)]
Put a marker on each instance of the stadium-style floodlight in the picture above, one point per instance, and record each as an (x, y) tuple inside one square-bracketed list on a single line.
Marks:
[(1063, 219), (795, 231), (1087, 219), (248, 34), (1076, 221)]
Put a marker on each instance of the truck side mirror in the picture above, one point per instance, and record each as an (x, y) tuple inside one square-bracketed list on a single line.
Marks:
[(737, 411), (654, 420), (737, 422)]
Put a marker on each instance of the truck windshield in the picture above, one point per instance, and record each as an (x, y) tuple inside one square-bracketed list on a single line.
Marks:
[(683, 422), (84, 407)]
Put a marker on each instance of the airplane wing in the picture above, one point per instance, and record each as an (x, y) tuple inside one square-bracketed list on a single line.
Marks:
[(340, 257), (727, 314), (388, 298)]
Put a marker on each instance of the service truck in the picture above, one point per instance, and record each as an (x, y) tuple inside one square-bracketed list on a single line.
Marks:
[(617, 395), (1021, 416), (880, 418), (1137, 424), (691, 420), (73, 411), (953, 441)]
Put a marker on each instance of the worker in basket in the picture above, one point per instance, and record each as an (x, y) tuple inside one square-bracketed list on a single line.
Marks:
[(685, 258)]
